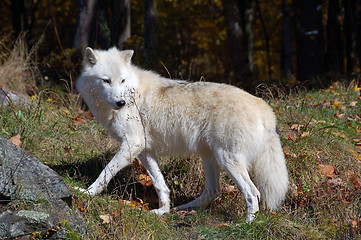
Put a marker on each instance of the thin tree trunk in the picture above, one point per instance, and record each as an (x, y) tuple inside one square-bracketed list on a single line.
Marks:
[(150, 25), (235, 35), (286, 54), (85, 19), (121, 22), (334, 55), (310, 49), (246, 8), (266, 38), (350, 34)]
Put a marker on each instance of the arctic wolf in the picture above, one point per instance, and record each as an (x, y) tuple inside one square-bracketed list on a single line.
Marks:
[(151, 115)]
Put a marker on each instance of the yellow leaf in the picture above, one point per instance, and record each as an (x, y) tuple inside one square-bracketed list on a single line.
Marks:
[(66, 111), (336, 104), (341, 135), (355, 154), (357, 89)]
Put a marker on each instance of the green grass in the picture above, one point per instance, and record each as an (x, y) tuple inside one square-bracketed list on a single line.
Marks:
[(317, 128)]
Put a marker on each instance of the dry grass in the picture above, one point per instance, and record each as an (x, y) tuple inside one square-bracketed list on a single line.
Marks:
[(17, 70)]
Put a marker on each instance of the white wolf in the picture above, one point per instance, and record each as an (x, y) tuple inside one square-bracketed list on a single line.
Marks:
[(151, 116)]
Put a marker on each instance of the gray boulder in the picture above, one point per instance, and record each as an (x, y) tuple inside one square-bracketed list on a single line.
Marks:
[(44, 202), (22, 175)]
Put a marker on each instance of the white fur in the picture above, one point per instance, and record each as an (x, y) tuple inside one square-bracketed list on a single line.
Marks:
[(229, 128)]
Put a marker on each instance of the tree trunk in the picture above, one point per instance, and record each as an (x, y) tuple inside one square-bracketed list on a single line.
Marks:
[(120, 22), (310, 49), (150, 59), (235, 34), (286, 54), (246, 8), (101, 34), (85, 19), (350, 29), (17, 12), (266, 39), (334, 59)]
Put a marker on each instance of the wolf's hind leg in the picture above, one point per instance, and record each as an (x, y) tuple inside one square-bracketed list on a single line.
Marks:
[(239, 175), (151, 164), (211, 191)]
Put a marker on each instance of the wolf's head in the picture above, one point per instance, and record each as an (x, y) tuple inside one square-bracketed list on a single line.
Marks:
[(109, 75)]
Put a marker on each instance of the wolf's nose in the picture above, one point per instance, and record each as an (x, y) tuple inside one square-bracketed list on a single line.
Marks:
[(121, 103)]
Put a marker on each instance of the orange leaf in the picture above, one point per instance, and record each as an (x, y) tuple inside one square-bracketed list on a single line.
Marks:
[(354, 180), (327, 170), (16, 140), (224, 225), (354, 224)]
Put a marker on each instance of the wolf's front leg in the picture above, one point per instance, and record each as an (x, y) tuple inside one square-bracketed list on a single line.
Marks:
[(151, 164), (121, 159)]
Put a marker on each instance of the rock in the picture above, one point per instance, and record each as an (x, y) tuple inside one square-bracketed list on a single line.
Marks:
[(43, 201), (23, 175), (46, 220), (8, 97)]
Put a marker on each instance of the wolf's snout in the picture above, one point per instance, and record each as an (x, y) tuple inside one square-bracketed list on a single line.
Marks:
[(121, 103)]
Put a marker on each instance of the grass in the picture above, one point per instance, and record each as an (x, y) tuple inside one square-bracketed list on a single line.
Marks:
[(318, 128)]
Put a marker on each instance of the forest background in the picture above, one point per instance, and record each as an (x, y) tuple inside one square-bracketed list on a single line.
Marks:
[(242, 42)]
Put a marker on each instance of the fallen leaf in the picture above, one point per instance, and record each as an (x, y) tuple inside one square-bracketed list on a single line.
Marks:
[(144, 179), (328, 170), (297, 127), (354, 180), (336, 104), (224, 225), (355, 154), (230, 190), (357, 89), (305, 134), (184, 224), (354, 224), (290, 137), (339, 115), (341, 135), (353, 103), (336, 182), (183, 214), (16, 140), (106, 218)]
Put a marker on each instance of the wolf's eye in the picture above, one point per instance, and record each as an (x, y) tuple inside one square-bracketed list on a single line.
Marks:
[(123, 80), (107, 80)]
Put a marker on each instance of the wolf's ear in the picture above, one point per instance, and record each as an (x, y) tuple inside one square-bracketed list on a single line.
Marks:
[(127, 55), (89, 56)]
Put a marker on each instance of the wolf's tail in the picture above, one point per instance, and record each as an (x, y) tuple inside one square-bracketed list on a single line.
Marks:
[(270, 171)]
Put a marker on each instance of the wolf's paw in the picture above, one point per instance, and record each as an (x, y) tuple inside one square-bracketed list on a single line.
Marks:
[(82, 190), (251, 217), (160, 211)]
